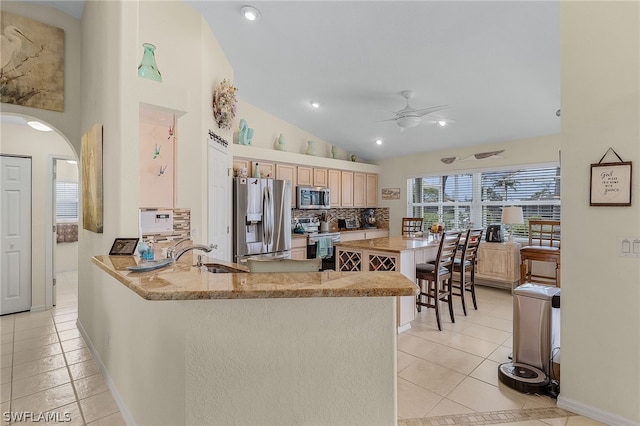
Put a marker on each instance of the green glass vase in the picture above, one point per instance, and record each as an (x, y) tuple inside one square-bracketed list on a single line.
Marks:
[(148, 68)]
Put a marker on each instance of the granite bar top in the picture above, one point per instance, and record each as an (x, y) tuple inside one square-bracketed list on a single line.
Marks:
[(389, 244), (182, 281)]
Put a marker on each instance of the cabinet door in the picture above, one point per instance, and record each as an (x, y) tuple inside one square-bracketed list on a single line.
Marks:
[(241, 163), (320, 177), (266, 169), (299, 253), (305, 175), (359, 189), (378, 233), (372, 190), (346, 189), (288, 172), (333, 182)]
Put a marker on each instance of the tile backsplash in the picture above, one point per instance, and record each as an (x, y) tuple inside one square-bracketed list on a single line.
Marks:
[(181, 226), (381, 214)]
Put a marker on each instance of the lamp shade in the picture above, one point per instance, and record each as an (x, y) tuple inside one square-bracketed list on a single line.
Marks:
[(512, 215)]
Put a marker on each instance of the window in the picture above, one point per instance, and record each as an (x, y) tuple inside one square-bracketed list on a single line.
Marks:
[(66, 201), (476, 199)]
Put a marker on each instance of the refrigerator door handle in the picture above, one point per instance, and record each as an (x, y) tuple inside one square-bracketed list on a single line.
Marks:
[(271, 218)]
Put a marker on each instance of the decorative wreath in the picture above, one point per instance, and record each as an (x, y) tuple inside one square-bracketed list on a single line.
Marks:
[(224, 104)]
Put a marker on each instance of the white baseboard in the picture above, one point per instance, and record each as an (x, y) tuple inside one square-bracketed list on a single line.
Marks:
[(404, 328), (594, 413), (124, 411), (38, 308)]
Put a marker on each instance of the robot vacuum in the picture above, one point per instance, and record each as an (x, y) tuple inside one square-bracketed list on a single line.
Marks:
[(523, 378)]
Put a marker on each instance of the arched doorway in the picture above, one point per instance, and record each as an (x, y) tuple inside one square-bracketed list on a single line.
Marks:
[(50, 256)]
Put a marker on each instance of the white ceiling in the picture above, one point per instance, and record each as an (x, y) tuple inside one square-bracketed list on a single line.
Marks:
[(496, 63)]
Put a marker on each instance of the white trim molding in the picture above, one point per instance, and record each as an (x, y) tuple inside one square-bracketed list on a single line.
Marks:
[(594, 413)]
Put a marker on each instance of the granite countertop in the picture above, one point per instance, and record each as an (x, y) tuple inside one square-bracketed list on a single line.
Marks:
[(389, 244), (182, 281)]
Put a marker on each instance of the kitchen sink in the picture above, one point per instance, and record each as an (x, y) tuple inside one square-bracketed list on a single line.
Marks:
[(216, 268)]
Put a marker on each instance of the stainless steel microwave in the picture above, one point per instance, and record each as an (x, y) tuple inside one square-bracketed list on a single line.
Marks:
[(313, 197)]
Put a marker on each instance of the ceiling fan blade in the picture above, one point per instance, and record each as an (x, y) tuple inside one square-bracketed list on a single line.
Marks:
[(389, 119), (424, 111)]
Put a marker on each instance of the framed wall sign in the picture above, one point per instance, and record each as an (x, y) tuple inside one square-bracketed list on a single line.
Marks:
[(611, 183)]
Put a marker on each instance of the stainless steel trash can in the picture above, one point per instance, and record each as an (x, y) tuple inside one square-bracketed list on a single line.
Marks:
[(532, 339), (532, 325)]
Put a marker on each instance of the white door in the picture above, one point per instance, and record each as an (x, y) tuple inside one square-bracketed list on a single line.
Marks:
[(218, 183), (15, 244)]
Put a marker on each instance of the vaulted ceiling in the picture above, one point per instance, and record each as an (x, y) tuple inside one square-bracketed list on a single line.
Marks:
[(494, 63)]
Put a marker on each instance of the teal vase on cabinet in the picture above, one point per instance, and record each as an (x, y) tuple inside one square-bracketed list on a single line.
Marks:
[(148, 67)]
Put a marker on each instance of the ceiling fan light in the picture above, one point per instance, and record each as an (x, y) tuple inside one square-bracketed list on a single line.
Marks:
[(378, 141), (406, 122), (442, 123), (315, 104)]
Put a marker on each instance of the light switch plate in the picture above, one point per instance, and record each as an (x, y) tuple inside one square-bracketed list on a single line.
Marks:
[(629, 246)]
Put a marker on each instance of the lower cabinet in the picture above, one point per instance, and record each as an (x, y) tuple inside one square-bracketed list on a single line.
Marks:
[(498, 265), (299, 248)]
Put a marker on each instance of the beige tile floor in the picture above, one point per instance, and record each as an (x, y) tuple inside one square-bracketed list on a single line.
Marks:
[(444, 377), (451, 376), (47, 368)]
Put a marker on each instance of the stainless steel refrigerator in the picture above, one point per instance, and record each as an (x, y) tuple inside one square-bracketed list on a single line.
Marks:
[(261, 218)]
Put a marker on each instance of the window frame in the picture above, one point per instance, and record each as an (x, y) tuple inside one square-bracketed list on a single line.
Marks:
[(477, 214)]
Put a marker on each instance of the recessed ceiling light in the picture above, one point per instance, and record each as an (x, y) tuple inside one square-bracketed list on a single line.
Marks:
[(39, 126), (442, 123), (315, 104), (378, 141), (250, 13)]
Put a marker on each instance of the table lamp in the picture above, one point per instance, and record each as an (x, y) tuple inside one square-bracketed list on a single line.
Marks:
[(512, 216)]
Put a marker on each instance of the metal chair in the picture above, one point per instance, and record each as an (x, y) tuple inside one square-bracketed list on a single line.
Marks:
[(411, 225), (438, 277), (464, 263)]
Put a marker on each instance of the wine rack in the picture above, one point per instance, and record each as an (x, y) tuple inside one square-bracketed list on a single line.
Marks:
[(382, 263), (350, 261)]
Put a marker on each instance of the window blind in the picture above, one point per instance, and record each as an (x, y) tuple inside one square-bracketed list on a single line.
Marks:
[(66, 201)]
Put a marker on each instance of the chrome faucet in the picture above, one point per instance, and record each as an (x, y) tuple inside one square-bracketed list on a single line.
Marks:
[(171, 251), (204, 248)]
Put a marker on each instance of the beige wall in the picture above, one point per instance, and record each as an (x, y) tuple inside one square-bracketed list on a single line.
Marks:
[(41, 147), (267, 129), (395, 172), (600, 63)]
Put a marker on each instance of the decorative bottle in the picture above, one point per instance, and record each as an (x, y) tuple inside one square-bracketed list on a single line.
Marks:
[(256, 171), (311, 149), (148, 68)]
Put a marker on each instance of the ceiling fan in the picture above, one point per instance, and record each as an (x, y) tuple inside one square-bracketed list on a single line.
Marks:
[(409, 117)]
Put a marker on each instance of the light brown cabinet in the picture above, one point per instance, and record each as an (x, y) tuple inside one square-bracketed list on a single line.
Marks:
[(498, 264), (359, 189), (334, 183), (304, 175), (288, 172), (266, 169), (346, 189), (299, 248), (320, 177), (372, 190)]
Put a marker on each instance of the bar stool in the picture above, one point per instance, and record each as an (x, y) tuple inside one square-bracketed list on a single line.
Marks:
[(464, 263), (438, 277)]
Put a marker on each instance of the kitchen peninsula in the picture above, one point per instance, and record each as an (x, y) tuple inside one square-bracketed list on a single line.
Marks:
[(398, 253), (247, 348)]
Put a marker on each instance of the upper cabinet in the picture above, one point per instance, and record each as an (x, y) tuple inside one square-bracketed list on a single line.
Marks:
[(288, 172), (334, 183), (372, 190), (320, 177), (359, 189), (305, 175), (346, 189)]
